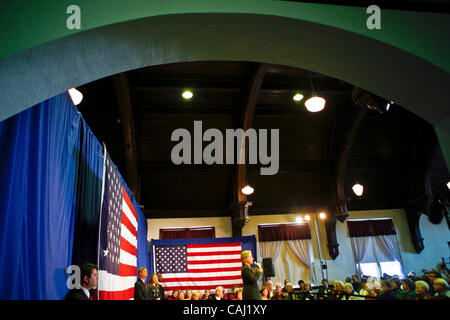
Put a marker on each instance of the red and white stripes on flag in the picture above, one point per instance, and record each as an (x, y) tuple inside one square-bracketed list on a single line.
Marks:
[(208, 265), (118, 240)]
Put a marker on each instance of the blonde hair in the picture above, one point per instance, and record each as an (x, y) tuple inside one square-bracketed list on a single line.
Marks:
[(423, 284), (441, 282), (338, 283), (348, 285), (245, 254)]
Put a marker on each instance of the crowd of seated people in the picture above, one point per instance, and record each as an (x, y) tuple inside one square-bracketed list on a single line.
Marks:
[(234, 293), (431, 285)]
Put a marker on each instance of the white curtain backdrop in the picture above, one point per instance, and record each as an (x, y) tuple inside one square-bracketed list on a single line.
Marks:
[(285, 261), (302, 249), (388, 244), (270, 249), (359, 248)]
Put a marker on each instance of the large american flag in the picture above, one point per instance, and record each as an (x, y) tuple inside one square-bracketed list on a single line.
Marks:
[(118, 239), (199, 266)]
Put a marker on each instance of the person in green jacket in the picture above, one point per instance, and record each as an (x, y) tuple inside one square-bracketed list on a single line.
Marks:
[(409, 290), (250, 277)]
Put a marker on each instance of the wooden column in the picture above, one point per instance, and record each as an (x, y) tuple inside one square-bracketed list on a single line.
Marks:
[(239, 207), (338, 206)]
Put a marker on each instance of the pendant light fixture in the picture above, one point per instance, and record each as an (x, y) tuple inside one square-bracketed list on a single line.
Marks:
[(247, 190), (314, 103), (357, 188)]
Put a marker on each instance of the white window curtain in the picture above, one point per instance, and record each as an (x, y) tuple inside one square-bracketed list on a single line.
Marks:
[(389, 246), (376, 249), (359, 248), (302, 249), (270, 249)]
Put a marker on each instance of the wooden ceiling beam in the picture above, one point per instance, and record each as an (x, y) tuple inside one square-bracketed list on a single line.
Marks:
[(240, 205), (123, 96), (339, 207)]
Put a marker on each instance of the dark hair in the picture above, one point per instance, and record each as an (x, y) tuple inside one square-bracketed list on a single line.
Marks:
[(436, 273), (397, 282), (410, 283), (86, 270), (386, 283), (300, 282)]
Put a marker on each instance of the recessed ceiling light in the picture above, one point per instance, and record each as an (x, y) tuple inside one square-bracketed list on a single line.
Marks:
[(297, 97), (187, 94)]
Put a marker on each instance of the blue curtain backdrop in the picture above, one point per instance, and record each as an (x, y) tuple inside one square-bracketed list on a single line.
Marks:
[(51, 168), (38, 160), (248, 243), (89, 190)]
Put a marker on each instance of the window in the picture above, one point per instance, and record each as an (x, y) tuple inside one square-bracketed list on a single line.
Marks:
[(370, 269), (391, 268), (375, 247)]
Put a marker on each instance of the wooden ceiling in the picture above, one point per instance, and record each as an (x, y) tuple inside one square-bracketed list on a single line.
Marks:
[(391, 154)]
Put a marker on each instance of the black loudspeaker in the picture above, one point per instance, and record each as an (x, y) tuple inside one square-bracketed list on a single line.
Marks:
[(269, 270)]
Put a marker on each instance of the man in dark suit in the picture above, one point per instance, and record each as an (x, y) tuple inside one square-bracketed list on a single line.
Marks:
[(89, 279), (141, 290)]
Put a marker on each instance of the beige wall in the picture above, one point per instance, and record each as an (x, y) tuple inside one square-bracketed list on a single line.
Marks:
[(436, 237), (222, 225)]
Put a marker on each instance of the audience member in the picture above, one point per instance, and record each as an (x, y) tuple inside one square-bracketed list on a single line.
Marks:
[(269, 285), (238, 294), (286, 281), (206, 295), (408, 292), (181, 295), (279, 294), (218, 293), (232, 294), (265, 295), (355, 283), (290, 291), (386, 292), (324, 290), (350, 293), (174, 295), (196, 295), (422, 290), (365, 290), (441, 289), (188, 295), (396, 288), (338, 291), (433, 275)]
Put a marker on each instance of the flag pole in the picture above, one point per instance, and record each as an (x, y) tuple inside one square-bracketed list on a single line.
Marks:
[(100, 214)]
